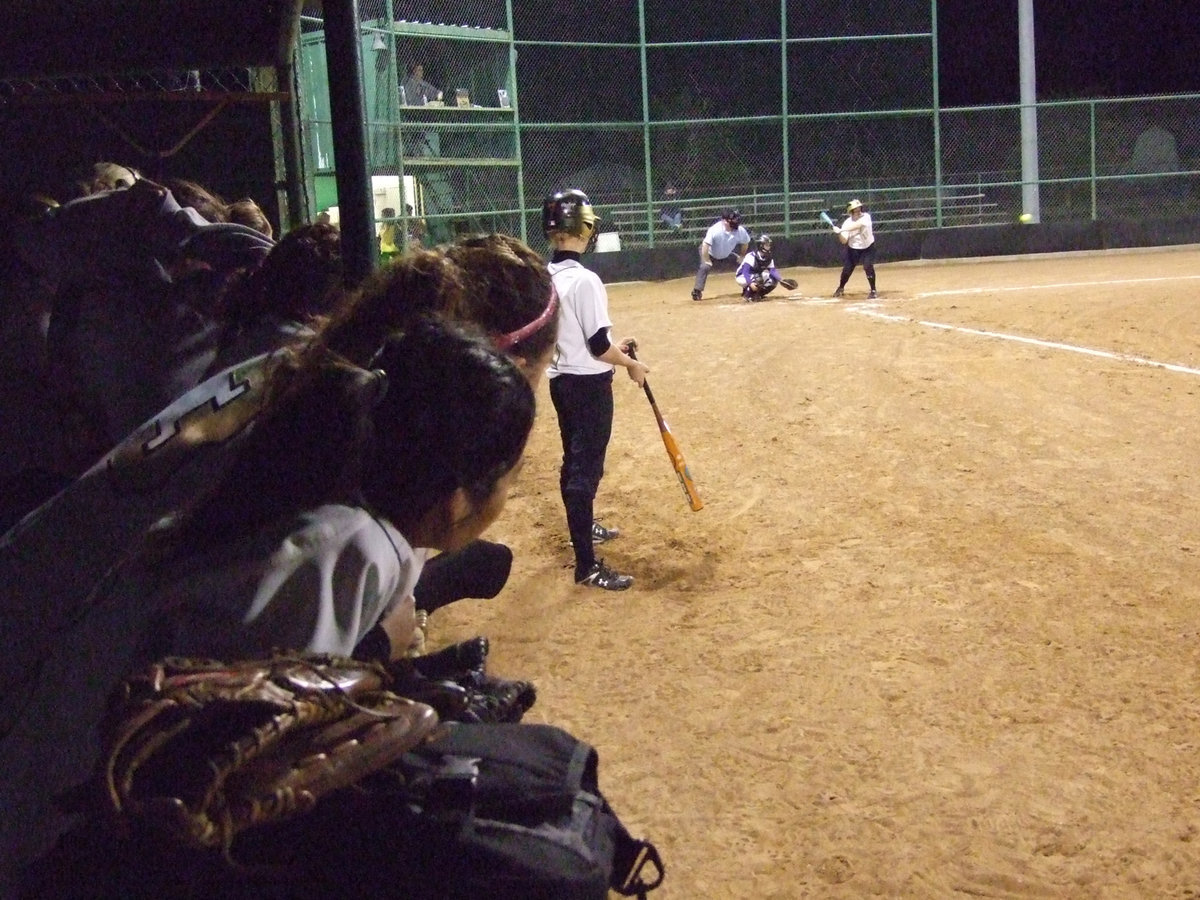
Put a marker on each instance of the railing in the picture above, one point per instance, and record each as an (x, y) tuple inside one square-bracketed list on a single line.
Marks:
[(892, 209)]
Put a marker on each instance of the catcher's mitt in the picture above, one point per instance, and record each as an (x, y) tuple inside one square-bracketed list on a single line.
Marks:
[(204, 750), (789, 283)]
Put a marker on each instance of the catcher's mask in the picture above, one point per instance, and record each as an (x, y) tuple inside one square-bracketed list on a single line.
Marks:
[(570, 212), (762, 248)]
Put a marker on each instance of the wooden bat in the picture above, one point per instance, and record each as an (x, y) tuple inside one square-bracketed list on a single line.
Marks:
[(673, 451)]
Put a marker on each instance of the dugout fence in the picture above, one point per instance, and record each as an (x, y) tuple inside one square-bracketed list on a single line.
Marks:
[(785, 110)]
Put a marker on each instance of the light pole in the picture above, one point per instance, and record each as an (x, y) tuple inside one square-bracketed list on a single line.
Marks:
[(1031, 204)]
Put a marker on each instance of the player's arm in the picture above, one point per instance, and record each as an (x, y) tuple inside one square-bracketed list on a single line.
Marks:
[(606, 351)]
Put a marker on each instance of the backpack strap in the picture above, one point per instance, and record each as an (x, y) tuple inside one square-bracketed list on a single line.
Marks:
[(630, 859)]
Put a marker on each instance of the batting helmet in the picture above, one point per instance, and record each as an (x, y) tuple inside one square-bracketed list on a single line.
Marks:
[(569, 212), (762, 247), (732, 216), (853, 205)]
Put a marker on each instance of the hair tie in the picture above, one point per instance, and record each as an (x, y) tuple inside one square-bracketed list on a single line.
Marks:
[(505, 341)]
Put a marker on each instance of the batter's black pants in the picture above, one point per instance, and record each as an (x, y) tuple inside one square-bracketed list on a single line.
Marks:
[(584, 404), (866, 258)]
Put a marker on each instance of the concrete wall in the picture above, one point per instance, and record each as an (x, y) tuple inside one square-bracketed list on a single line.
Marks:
[(948, 243)]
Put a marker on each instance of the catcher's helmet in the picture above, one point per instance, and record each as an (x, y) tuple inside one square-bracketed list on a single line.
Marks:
[(762, 247), (569, 212), (732, 216)]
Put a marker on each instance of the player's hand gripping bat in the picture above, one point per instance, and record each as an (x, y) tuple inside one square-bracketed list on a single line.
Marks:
[(673, 451), (841, 235)]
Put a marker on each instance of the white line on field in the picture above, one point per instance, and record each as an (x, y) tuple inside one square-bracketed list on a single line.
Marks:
[(863, 310), (1063, 284), (790, 298)]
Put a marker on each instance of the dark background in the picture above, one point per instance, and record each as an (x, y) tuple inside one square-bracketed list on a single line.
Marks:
[(1098, 48)]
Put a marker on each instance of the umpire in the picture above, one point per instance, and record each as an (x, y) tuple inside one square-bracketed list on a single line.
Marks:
[(722, 238)]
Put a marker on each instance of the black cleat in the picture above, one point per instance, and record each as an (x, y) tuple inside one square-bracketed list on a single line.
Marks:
[(601, 576), (457, 659), (600, 534), (497, 699)]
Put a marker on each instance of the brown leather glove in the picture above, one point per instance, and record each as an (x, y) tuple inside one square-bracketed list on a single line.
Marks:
[(204, 750)]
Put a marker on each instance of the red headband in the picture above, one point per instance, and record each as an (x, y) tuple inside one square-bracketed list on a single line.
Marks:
[(505, 341)]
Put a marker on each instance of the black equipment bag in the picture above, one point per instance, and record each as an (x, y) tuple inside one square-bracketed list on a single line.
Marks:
[(515, 811), (477, 812)]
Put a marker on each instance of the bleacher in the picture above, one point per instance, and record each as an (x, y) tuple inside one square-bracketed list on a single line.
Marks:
[(897, 209)]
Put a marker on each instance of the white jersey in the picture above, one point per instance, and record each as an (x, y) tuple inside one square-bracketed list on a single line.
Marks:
[(858, 232), (582, 312), (721, 242), (317, 583)]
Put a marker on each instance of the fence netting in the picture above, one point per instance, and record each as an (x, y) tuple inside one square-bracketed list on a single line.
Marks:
[(782, 110)]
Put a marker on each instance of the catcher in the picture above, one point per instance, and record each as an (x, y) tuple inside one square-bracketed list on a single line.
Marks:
[(757, 274)]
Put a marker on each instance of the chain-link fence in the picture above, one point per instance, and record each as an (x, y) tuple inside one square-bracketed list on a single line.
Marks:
[(783, 111)]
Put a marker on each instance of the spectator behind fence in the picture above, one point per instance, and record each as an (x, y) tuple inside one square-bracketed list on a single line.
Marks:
[(418, 91), (671, 213), (387, 232)]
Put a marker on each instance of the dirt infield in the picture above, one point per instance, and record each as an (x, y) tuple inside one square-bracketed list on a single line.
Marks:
[(936, 632)]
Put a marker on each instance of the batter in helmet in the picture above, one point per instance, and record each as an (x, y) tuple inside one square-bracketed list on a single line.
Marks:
[(581, 380), (570, 212)]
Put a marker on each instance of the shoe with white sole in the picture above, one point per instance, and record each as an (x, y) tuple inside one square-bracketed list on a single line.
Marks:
[(600, 534), (601, 576)]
